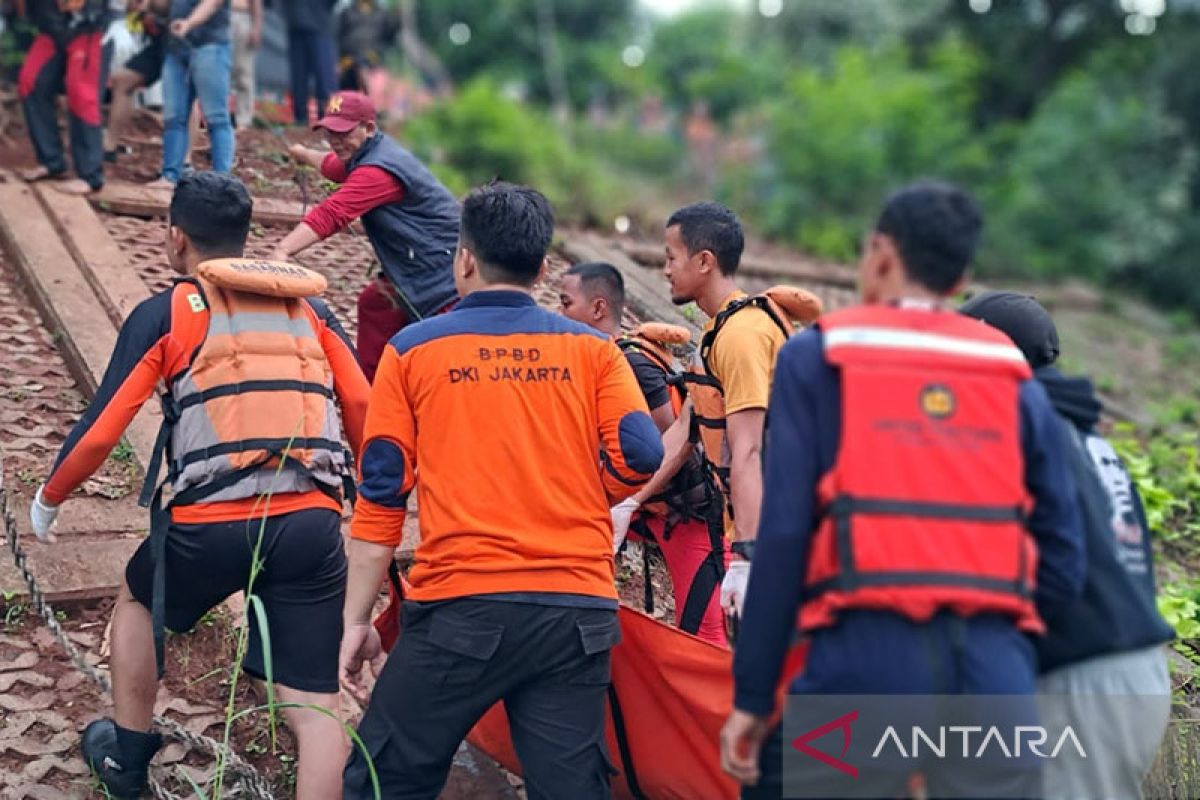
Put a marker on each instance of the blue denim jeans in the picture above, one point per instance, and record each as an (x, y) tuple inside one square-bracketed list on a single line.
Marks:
[(200, 73)]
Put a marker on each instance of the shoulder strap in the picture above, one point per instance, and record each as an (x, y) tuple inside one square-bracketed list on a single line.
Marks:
[(760, 301), (638, 344)]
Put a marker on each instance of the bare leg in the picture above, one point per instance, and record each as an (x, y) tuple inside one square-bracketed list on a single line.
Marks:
[(123, 83), (134, 678), (322, 741)]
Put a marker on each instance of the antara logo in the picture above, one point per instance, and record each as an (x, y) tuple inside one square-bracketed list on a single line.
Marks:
[(990, 740), (843, 724), (976, 742)]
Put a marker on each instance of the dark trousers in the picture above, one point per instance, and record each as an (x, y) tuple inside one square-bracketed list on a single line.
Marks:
[(454, 660), (312, 59), (77, 68)]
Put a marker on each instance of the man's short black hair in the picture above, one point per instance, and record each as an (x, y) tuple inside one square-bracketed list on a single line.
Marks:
[(936, 228), (711, 226), (213, 209), (602, 278), (508, 228)]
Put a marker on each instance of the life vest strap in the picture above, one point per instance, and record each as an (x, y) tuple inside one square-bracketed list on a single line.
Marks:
[(846, 505), (700, 379), (249, 387), (650, 350), (917, 578), (843, 508), (760, 301), (278, 447), (708, 575)]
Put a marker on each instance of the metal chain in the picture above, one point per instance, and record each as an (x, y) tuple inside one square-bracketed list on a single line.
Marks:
[(250, 784)]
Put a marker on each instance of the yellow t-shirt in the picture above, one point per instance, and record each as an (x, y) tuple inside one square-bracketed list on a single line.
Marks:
[(743, 356)]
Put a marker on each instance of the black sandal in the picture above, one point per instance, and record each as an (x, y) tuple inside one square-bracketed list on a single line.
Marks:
[(110, 156)]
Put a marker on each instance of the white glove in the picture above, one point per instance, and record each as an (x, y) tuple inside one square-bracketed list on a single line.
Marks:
[(733, 587), (42, 516), (622, 513)]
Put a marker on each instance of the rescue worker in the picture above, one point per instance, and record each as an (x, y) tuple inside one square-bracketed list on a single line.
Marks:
[(68, 54), (686, 519), (492, 414), (729, 380), (1108, 644), (866, 465), (254, 364), (410, 218)]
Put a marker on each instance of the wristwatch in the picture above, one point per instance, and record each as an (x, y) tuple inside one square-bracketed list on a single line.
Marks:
[(743, 549)]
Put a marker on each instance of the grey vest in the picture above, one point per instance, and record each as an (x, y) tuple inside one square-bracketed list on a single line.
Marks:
[(414, 239)]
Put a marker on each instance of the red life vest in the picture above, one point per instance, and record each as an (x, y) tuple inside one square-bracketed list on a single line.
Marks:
[(924, 509)]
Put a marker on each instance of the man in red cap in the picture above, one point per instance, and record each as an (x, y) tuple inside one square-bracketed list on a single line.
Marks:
[(409, 216)]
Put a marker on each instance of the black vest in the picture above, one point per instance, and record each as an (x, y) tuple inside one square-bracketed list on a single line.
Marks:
[(414, 239)]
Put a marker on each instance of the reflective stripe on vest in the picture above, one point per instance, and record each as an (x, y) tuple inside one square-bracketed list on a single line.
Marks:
[(924, 509), (258, 390)]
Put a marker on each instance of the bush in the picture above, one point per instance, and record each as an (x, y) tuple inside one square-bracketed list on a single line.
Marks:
[(480, 135), (837, 142), (1095, 185)]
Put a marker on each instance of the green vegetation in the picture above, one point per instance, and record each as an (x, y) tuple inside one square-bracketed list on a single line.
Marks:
[(1166, 468), (1080, 139)]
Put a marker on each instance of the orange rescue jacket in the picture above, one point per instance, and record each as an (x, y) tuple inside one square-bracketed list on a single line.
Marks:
[(924, 508)]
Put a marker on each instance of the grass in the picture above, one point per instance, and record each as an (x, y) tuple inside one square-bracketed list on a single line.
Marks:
[(123, 454), (14, 610)]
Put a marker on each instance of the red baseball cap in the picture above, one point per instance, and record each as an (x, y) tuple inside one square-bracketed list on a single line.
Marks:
[(346, 110)]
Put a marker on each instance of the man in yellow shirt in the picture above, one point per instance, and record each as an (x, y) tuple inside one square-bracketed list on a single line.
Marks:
[(730, 378)]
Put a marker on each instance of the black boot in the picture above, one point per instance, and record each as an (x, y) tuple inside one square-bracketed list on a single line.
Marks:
[(118, 757)]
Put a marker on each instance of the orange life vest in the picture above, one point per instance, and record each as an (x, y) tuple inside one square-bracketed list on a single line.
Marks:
[(651, 339), (258, 391), (787, 306), (924, 508), (254, 412)]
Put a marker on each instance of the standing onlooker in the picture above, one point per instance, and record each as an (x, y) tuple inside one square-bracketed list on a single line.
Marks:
[(197, 68), (67, 54), (140, 71), (311, 54), (246, 27), (365, 29)]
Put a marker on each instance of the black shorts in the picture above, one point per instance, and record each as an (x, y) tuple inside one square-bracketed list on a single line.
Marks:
[(302, 585), (148, 62)]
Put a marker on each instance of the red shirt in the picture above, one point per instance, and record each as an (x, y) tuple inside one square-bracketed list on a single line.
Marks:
[(362, 190)]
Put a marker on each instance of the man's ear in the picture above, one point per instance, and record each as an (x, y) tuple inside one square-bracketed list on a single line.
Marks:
[(465, 264), (599, 308), (883, 258), (706, 260), (542, 270), (179, 240)]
